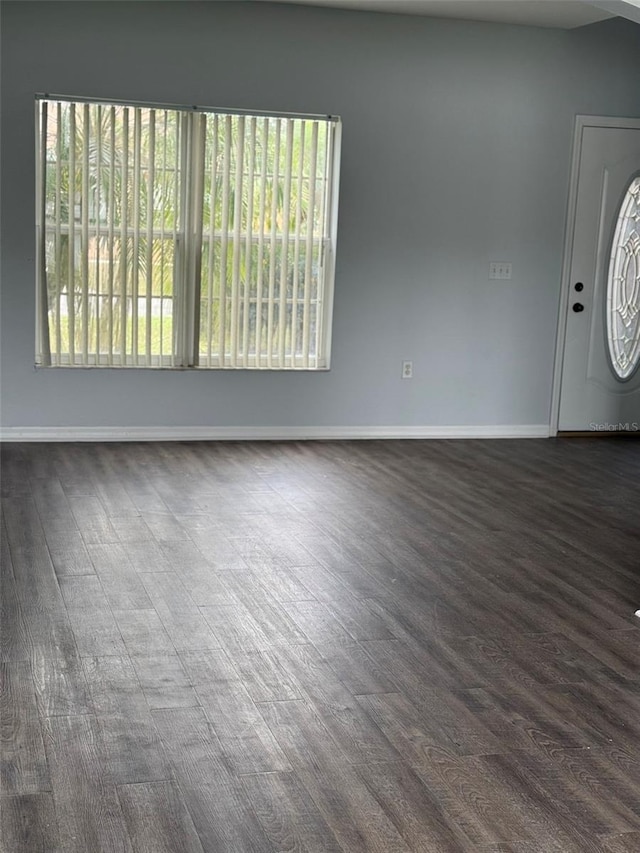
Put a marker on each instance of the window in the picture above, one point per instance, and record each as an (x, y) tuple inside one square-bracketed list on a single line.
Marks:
[(623, 287), (174, 237)]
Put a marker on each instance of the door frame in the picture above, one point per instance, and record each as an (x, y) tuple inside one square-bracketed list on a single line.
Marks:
[(581, 122)]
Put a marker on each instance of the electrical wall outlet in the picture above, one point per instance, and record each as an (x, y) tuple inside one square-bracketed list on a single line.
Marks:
[(499, 269), (407, 370)]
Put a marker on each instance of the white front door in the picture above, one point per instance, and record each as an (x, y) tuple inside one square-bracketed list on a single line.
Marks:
[(600, 377)]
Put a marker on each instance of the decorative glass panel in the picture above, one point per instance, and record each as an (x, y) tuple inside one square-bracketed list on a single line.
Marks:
[(623, 286)]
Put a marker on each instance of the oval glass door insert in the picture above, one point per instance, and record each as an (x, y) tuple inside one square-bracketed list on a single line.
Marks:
[(623, 286)]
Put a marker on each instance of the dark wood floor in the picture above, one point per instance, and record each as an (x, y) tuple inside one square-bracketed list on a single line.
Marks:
[(373, 646)]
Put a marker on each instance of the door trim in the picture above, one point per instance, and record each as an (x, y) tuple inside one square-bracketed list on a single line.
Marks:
[(581, 122)]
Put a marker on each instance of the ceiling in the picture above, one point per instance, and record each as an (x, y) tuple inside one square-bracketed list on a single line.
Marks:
[(565, 14), (562, 14)]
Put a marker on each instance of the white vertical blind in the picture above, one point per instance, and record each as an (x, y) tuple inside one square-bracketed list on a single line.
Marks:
[(296, 238), (321, 315), (163, 253), (261, 225), (136, 200), (224, 242), (174, 237), (149, 236), (213, 182), (248, 246), (275, 182), (281, 332), (85, 132), (70, 285), (123, 248), (236, 239), (57, 243), (306, 323), (177, 237), (42, 324), (96, 235), (110, 236)]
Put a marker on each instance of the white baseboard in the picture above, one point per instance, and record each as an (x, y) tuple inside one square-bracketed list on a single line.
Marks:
[(270, 433)]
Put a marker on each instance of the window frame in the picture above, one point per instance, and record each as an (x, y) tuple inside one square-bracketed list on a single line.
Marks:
[(184, 297)]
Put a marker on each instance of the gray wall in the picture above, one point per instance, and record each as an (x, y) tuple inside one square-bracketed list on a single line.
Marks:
[(456, 152)]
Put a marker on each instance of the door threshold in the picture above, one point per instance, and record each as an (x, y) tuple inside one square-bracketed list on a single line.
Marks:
[(600, 433)]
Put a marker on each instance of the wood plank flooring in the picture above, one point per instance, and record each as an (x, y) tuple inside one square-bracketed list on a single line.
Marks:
[(368, 647)]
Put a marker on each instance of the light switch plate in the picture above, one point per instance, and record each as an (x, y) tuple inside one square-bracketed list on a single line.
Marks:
[(499, 269)]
